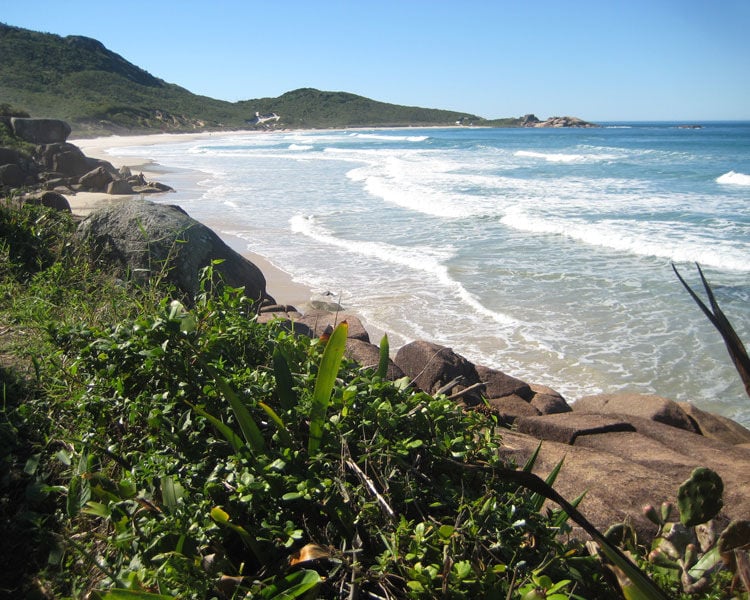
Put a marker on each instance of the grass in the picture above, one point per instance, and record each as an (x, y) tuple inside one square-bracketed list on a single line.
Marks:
[(155, 451)]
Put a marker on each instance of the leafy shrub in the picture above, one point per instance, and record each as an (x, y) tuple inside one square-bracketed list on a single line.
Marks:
[(163, 497)]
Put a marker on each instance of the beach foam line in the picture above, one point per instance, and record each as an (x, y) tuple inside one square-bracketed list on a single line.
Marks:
[(427, 260), (391, 138), (560, 157), (733, 178)]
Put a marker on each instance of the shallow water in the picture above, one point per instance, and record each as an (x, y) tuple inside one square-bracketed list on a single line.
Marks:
[(545, 253)]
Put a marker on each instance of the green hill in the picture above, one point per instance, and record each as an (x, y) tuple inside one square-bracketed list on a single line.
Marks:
[(78, 79)]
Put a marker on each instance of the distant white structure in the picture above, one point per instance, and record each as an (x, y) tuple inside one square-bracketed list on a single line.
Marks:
[(259, 119)]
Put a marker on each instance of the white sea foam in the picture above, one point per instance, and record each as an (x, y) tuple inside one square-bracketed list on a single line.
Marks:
[(300, 147), (675, 243), (426, 259), (733, 178), (559, 157), (390, 138)]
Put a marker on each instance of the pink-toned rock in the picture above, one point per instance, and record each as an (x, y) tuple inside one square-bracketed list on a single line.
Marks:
[(431, 366), (368, 355), (510, 408), (498, 384), (647, 406), (547, 401), (716, 426), (320, 320)]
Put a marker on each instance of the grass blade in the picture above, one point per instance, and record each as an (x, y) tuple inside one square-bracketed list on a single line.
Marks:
[(327, 372)]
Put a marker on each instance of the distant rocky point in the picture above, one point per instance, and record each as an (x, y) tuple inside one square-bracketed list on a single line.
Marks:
[(531, 120)]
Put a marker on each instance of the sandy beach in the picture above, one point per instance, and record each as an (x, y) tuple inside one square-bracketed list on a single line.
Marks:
[(279, 283)]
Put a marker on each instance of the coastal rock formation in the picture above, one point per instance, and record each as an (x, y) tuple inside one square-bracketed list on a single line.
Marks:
[(623, 450), (143, 239), (57, 165), (40, 131), (531, 120)]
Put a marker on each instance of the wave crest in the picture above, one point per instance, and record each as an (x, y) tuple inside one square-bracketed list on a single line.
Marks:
[(733, 178)]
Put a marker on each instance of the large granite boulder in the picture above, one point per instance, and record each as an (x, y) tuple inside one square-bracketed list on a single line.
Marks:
[(141, 238), (40, 131), (95, 180), (321, 321), (715, 426), (11, 175), (647, 406), (624, 462), (498, 384), (431, 367), (67, 159), (368, 355)]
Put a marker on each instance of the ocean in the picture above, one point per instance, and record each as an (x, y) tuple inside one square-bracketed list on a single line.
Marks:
[(545, 253)]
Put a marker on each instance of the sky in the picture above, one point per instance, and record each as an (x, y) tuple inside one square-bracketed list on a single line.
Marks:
[(600, 60)]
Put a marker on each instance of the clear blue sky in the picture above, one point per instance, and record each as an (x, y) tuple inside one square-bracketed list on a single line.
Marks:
[(601, 60)]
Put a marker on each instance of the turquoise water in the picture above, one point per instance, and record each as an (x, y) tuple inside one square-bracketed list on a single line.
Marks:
[(543, 252)]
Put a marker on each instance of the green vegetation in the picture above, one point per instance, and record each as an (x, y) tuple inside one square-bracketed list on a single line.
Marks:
[(97, 91), (151, 450)]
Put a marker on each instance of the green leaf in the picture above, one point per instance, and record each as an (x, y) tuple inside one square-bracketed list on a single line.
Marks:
[(382, 371), (527, 468), (224, 429), (79, 493), (171, 492), (327, 372), (293, 585), (249, 428), (286, 439), (537, 500), (284, 381)]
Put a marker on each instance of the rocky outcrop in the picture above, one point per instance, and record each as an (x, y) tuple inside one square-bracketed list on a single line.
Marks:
[(143, 239), (40, 131), (58, 165), (623, 450), (531, 120)]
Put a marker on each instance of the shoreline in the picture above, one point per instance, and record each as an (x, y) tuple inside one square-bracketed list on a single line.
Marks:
[(279, 283)]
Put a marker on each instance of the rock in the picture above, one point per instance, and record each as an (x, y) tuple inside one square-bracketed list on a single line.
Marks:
[(11, 175), (715, 426), (368, 355), (97, 180), (547, 401), (566, 427), (624, 462), (9, 156), (508, 408), (140, 237), (431, 366), (40, 131), (64, 158), (647, 406), (288, 322), (320, 320), (49, 199), (279, 308), (119, 187), (497, 384), (325, 302)]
